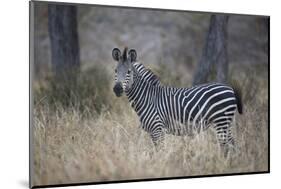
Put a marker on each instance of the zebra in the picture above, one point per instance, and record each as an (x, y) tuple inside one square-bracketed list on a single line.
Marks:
[(179, 111)]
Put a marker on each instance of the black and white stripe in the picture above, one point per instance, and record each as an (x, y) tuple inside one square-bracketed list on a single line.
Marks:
[(182, 111)]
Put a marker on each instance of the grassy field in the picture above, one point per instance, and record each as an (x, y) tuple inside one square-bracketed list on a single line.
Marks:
[(96, 137)]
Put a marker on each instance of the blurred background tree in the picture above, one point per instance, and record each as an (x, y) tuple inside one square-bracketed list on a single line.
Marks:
[(65, 56), (63, 34), (214, 53)]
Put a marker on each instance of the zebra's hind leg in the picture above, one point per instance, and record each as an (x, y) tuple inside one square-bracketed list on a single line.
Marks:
[(225, 138)]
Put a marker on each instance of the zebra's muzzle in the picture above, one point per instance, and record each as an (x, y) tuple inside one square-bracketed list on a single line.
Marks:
[(118, 89)]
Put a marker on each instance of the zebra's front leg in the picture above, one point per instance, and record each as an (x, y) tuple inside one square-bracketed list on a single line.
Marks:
[(157, 136)]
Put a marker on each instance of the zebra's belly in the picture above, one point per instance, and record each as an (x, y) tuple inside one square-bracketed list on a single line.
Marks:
[(180, 129)]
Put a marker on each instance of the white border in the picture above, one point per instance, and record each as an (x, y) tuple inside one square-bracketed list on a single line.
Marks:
[(14, 92)]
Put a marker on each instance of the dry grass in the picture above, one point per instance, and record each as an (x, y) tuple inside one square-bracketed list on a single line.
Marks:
[(73, 146)]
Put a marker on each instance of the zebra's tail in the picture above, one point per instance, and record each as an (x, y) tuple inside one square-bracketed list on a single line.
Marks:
[(238, 96)]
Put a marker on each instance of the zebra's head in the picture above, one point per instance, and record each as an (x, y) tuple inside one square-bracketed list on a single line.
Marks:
[(124, 70)]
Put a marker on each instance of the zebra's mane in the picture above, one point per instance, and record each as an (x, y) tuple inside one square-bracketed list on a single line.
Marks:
[(146, 74)]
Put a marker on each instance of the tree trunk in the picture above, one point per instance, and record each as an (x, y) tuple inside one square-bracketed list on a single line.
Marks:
[(214, 52), (64, 40)]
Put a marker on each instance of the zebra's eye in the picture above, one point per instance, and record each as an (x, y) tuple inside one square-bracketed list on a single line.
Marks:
[(129, 71), (115, 70)]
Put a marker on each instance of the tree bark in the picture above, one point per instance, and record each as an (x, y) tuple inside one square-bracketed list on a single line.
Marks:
[(64, 39), (214, 52)]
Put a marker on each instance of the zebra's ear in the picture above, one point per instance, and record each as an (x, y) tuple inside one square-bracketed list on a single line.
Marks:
[(133, 55), (116, 53)]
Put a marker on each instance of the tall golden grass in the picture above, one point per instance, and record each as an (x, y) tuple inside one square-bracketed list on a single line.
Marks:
[(71, 145)]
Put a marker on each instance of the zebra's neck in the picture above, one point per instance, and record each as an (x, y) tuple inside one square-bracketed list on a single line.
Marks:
[(144, 88)]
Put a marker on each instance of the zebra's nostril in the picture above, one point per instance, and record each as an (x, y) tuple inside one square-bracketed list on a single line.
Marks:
[(118, 90)]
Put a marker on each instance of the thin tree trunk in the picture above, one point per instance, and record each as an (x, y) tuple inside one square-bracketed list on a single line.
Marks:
[(214, 52), (64, 39)]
